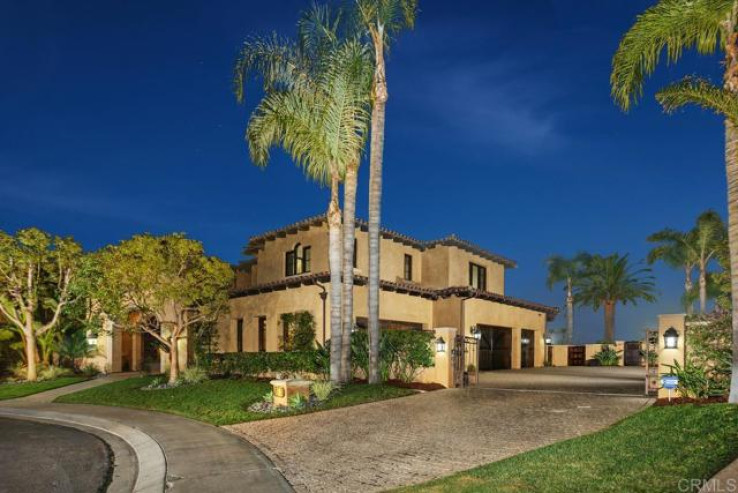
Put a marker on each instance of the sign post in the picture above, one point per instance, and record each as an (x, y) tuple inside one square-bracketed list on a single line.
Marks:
[(670, 382)]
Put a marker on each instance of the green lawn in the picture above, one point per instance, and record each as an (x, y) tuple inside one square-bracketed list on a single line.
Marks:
[(13, 390), (648, 452), (219, 402)]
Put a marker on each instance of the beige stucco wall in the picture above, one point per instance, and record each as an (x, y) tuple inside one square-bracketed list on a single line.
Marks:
[(458, 270), (668, 356), (271, 258)]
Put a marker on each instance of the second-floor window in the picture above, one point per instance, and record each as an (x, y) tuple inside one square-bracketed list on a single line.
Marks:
[(477, 276), (297, 261), (408, 273)]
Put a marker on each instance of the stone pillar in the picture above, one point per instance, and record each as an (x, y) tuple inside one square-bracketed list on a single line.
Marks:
[(516, 356), (669, 356)]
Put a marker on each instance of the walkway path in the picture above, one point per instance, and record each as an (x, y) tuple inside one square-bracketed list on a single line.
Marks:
[(195, 457), (414, 439)]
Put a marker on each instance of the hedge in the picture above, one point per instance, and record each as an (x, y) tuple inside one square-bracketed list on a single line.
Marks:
[(402, 354)]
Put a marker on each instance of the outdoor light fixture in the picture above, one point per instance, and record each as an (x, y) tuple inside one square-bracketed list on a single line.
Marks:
[(440, 345), (548, 340), (525, 341), (671, 337), (476, 332), (92, 339)]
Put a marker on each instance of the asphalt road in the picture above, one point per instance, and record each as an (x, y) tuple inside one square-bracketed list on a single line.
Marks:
[(49, 458)]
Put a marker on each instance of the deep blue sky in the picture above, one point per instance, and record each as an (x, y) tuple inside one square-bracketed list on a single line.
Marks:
[(118, 118)]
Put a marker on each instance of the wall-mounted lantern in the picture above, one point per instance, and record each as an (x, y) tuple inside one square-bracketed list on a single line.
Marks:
[(548, 340), (92, 339), (671, 338), (440, 345), (476, 332), (524, 341)]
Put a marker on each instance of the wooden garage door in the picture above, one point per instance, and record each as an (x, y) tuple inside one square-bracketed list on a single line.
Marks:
[(577, 355)]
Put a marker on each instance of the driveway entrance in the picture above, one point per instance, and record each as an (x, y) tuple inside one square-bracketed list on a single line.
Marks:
[(606, 380), (378, 446)]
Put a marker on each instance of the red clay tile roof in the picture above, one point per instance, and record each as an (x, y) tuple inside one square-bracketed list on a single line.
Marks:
[(399, 287), (256, 243)]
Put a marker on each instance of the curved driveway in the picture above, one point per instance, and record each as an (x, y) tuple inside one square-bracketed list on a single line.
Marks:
[(414, 439)]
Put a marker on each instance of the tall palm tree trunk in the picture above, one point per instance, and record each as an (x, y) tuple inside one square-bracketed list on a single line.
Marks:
[(334, 262), (569, 311), (703, 288), (375, 198), (609, 321), (688, 285), (731, 172), (349, 234)]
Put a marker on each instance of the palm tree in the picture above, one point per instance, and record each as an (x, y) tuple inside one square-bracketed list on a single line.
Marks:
[(567, 271), (380, 20), (315, 107), (607, 281), (674, 26), (707, 238), (674, 248)]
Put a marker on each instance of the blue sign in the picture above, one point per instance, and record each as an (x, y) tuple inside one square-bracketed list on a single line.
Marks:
[(670, 382)]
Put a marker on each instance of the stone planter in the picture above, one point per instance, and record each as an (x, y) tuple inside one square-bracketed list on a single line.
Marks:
[(283, 390)]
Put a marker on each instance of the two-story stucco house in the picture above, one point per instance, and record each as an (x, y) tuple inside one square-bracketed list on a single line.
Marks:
[(424, 285)]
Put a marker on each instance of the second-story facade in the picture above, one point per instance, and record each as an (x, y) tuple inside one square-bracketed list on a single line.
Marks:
[(423, 285)]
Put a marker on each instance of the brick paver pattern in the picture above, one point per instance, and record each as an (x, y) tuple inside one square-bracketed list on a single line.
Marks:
[(414, 439)]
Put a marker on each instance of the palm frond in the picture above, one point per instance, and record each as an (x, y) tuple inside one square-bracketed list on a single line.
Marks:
[(672, 26), (701, 93), (275, 59)]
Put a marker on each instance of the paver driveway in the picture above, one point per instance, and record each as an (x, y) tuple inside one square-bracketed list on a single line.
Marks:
[(409, 440), (629, 380)]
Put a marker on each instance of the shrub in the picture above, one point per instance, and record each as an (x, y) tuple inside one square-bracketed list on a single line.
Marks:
[(268, 397), (607, 356), (261, 363), (322, 390), (75, 347), (194, 375), (693, 380), (19, 371), (297, 401), (709, 347), (90, 370), (412, 352), (298, 331), (52, 372)]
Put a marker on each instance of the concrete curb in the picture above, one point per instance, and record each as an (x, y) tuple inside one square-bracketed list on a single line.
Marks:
[(150, 459)]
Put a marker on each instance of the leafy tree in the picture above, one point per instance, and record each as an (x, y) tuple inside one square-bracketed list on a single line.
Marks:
[(316, 108), (675, 26), (609, 280), (163, 285), (380, 20), (37, 276), (566, 271)]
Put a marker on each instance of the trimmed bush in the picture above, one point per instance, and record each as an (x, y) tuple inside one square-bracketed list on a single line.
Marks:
[(194, 374), (607, 356), (262, 363)]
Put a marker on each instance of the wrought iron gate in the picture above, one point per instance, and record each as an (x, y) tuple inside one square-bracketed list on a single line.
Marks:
[(466, 355)]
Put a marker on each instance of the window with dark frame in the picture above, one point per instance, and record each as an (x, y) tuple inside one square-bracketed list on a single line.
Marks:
[(239, 335), (408, 273), (356, 253), (306, 254), (477, 276), (262, 334), (289, 263), (297, 261)]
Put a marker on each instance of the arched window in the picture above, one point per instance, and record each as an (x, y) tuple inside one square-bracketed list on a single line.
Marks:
[(298, 260)]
